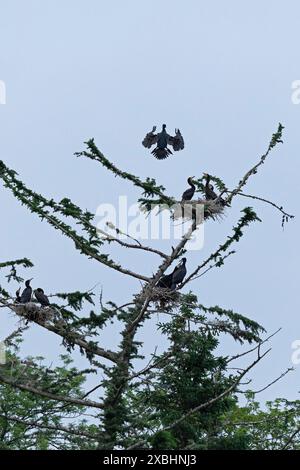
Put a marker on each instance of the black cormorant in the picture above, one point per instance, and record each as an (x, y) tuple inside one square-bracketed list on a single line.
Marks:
[(179, 274), (210, 194), (170, 281), (27, 293), (41, 297), (162, 140), (166, 281), (189, 193)]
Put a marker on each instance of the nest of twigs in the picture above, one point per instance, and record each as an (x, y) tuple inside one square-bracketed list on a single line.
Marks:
[(32, 311), (199, 209), (164, 298)]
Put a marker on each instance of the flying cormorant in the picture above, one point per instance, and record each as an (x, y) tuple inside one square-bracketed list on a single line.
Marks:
[(189, 193), (27, 293), (41, 297), (162, 140)]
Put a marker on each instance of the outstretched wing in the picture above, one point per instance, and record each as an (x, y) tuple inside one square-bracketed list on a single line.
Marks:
[(177, 141), (150, 139)]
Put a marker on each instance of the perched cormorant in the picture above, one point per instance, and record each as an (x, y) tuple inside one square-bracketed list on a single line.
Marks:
[(179, 274), (189, 193), (162, 140), (170, 281), (210, 194), (41, 297), (166, 281), (27, 293)]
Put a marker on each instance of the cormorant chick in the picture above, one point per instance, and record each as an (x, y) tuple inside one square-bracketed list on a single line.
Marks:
[(27, 293), (18, 298), (162, 140), (41, 297), (210, 194), (189, 193)]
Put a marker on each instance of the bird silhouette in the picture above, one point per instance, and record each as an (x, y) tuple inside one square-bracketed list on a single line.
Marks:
[(27, 293), (41, 297), (210, 194), (170, 281), (166, 281), (162, 140), (18, 298), (189, 193), (179, 274)]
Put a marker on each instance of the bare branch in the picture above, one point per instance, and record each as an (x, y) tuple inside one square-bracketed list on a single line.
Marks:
[(237, 356), (92, 254), (280, 208), (274, 381), (276, 138), (138, 246)]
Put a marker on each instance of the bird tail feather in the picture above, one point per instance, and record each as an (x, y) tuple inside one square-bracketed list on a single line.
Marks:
[(161, 154)]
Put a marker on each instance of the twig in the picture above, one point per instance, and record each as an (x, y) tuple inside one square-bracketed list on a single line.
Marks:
[(267, 202), (237, 356), (274, 381)]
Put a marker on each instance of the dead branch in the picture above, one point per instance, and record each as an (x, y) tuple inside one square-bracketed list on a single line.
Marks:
[(276, 138), (289, 369), (280, 208)]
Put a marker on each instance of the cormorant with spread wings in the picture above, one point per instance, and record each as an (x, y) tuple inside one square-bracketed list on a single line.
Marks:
[(162, 140)]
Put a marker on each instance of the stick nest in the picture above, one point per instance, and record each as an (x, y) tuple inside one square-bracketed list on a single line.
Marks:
[(31, 311), (202, 209), (164, 298)]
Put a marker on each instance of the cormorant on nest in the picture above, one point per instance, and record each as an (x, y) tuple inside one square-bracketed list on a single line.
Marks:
[(210, 194), (26, 294), (189, 193), (170, 281), (41, 297)]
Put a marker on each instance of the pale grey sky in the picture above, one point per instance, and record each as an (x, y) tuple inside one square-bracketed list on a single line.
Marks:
[(222, 72)]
